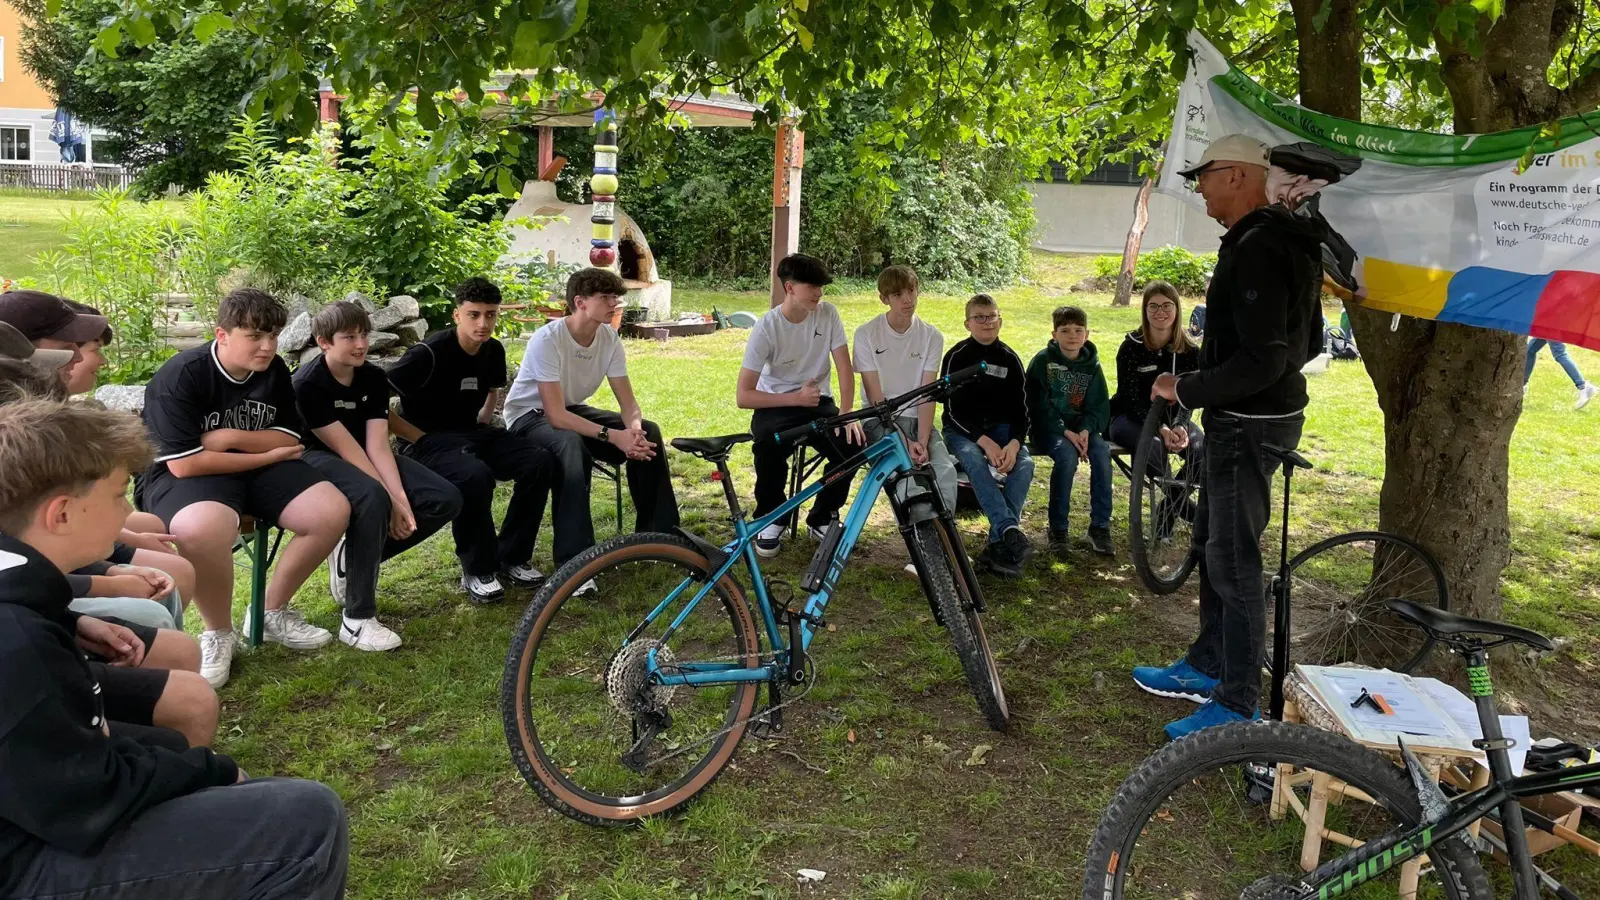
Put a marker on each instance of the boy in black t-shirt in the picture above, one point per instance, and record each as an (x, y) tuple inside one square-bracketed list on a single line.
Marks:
[(448, 387), (227, 438), (395, 504)]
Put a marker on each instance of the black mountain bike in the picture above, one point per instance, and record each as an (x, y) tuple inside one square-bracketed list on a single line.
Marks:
[(1195, 820)]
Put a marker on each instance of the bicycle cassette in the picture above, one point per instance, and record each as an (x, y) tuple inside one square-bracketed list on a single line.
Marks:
[(628, 683)]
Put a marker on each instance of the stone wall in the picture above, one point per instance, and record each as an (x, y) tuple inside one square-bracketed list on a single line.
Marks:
[(395, 326)]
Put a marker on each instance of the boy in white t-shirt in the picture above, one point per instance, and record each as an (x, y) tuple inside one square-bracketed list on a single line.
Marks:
[(785, 379), (896, 353), (562, 368)]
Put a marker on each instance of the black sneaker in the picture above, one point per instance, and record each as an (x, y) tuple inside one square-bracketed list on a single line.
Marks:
[(1018, 546), (523, 576), (1060, 542), (1100, 541), (1000, 561), (482, 588)]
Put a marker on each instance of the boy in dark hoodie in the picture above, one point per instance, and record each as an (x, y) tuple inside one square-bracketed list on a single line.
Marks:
[(82, 812), (986, 427), (1070, 409)]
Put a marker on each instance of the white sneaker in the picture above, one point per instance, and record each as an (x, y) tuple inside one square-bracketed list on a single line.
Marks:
[(588, 587), (524, 575), (911, 569), (289, 628), (216, 657), (336, 574), (1585, 394), (818, 534), (770, 541), (367, 634), (482, 588)]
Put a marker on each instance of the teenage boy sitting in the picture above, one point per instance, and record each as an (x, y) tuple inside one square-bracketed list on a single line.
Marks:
[(565, 363), (84, 812), (50, 324), (899, 352), (227, 435), (985, 425), (785, 380), (395, 503), (1070, 408), (448, 386)]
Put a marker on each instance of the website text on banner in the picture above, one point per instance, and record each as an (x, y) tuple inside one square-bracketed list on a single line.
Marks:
[(1495, 230)]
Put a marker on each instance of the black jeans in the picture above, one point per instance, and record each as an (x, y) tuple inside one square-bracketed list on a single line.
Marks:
[(649, 481), (1235, 505), (772, 460), (434, 502), (473, 461), (272, 839)]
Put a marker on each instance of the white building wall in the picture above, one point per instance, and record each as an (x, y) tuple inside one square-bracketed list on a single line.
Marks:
[(1094, 218)]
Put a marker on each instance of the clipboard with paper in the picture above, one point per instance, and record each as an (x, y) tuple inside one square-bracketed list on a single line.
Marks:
[(1408, 711)]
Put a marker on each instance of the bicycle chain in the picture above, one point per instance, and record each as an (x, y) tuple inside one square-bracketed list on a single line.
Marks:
[(811, 680)]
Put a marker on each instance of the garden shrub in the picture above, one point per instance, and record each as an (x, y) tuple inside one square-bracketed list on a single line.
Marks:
[(1181, 268)]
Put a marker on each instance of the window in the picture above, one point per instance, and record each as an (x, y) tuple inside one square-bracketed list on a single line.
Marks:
[(2, 58), (15, 143), (1105, 173)]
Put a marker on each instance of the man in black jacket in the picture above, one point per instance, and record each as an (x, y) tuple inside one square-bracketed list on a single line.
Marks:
[(1263, 324), (83, 813)]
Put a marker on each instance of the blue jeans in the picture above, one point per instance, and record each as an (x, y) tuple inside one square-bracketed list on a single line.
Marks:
[(1066, 457), (1558, 351), (1002, 504)]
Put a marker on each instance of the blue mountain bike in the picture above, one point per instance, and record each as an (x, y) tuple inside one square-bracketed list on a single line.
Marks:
[(629, 701)]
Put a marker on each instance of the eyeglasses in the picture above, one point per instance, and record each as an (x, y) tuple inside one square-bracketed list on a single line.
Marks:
[(1169, 307), (1209, 170), (985, 318)]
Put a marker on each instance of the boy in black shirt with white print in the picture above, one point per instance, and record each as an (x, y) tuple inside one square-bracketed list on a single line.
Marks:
[(227, 436), (395, 504), (448, 387)]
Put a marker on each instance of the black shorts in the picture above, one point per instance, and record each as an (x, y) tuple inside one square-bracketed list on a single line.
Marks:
[(130, 695), (121, 555), (145, 633), (263, 493)]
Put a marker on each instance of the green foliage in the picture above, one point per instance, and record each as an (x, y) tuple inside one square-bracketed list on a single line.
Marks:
[(116, 259), (1185, 270), (967, 217), (168, 104)]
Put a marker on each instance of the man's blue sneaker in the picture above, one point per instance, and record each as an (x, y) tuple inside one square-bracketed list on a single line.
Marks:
[(1179, 681), (1210, 715)]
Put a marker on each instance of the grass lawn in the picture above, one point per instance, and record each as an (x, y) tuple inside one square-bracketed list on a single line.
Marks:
[(30, 223), (871, 783)]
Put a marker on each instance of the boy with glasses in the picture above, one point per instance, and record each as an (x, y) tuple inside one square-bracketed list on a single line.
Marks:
[(985, 425)]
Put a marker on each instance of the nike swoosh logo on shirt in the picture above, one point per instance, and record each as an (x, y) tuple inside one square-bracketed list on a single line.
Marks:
[(884, 350)]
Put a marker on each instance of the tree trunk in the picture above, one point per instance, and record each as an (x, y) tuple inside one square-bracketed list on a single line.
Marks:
[(1450, 394), (1130, 247)]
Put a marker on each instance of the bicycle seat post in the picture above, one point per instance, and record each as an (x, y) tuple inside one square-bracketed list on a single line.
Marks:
[(732, 496), (1496, 747)]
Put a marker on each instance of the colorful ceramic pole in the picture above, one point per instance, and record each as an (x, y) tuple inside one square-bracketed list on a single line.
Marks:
[(603, 188)]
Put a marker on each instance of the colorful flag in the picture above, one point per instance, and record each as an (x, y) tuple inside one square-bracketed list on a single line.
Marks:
[(1495, 230)]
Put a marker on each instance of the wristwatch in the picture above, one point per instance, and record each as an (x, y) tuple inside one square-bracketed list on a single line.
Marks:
[(605, 434)]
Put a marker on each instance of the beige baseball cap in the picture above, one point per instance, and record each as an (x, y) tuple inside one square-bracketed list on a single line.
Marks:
[(1232, 148), (17, 346)]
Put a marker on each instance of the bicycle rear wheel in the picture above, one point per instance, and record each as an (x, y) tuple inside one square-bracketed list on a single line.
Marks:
[(1215, 816), (1337, 593), (957, 608), (1161, 508), (589, 729)]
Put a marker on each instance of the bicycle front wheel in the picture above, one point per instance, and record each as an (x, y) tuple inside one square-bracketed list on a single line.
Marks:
[(1337, 593), (952, 598), (1218, 815), (1161, 508), (591, 730)]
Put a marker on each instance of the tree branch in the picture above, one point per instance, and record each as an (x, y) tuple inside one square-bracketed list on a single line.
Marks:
[(1581, 96)]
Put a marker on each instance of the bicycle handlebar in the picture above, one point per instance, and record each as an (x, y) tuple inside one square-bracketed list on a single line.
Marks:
[(944, 383)]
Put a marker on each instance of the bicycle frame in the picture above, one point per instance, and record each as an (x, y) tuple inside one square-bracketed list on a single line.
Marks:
[(1372, 860), (888, 459)]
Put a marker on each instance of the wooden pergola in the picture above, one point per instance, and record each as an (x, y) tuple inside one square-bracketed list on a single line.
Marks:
[(714, 111)]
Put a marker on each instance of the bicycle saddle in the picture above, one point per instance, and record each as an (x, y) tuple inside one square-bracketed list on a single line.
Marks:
[(1441, 623), (711, 448), (1286, 456)]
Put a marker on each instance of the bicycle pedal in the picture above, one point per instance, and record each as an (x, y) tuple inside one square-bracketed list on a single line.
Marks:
[(814, 621)]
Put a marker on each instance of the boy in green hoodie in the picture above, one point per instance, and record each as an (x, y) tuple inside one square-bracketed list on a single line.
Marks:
[(1070, 409)]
